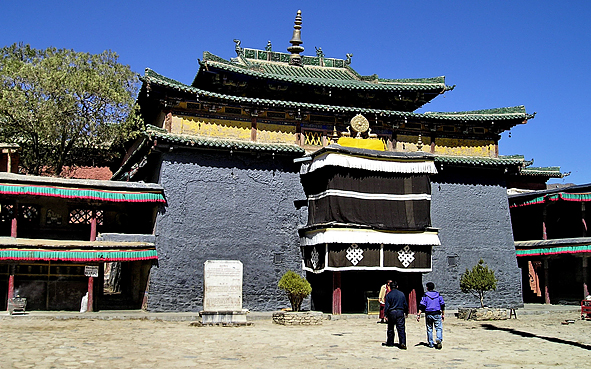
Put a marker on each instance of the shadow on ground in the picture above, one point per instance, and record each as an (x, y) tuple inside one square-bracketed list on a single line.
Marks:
[(531, 335)]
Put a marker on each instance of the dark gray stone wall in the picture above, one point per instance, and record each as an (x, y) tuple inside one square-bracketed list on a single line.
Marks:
[(471, 209), (223, 206)]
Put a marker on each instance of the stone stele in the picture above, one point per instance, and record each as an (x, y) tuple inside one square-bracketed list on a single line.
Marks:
[(222, 292)]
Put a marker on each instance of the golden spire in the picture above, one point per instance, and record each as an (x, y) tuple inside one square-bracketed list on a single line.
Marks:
[(295, 49)]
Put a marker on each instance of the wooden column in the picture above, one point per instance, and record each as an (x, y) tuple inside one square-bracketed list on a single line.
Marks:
[(93, 225), (412, 302), (585, 277), (168, 121), (298, 135), (13, 221), (9, 161), (90, 293), (253, 128), (10, 284), (544, 233), (546, 281), (432, 144), (583, 219), (336, 293)]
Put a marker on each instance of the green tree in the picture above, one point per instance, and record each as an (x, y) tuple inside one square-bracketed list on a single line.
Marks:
[(297, 288), (62, 107), (478, 281)]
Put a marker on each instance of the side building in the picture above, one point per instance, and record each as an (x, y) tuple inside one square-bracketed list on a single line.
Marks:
[(553, 243), (228, 150), (61, 239)]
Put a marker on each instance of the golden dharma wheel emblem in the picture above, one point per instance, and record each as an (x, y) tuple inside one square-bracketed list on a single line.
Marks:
[(360, 123)]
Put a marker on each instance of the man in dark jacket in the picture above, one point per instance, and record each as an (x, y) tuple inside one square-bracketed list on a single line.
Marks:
[(433, 306), (395, 312)]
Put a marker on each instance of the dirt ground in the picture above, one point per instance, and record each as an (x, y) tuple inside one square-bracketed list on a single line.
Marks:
[(531, 341)]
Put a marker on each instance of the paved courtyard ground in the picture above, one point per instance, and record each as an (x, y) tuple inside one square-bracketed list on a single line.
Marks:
[(531, 341)]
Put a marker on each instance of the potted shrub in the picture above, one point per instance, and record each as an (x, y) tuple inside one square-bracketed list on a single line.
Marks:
[(296, 287)]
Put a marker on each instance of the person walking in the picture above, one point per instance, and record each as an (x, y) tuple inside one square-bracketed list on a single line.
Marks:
[(433, 306), (384, 290), (395, 310)]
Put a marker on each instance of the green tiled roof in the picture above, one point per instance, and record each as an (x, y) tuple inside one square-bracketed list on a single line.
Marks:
[(501, 114), (315, 75), (527, 170), (515, 112), (477, 161), (223, 144), (520, 157), (552, 172)]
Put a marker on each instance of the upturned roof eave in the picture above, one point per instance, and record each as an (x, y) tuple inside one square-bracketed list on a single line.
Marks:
[(519, 116), (477, 161)]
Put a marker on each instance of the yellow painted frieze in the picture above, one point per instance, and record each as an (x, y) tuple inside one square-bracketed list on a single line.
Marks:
[(456, 147), (217, 128), (275, 133)]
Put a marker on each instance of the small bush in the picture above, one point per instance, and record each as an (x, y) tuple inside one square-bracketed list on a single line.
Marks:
[(478, 281), (297, 288)]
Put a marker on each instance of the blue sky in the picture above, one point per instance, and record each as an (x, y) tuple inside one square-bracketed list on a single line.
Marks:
[(497, 53)]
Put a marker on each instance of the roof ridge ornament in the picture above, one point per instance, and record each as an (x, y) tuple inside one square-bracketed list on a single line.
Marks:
[(239, 50), (295, 49), (348, 61), (240, 53)]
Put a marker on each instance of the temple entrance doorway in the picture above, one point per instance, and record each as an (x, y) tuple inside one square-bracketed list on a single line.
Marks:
[(358, 286)]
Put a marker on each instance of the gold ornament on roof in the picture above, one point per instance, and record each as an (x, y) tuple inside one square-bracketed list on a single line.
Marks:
[(360, 124)]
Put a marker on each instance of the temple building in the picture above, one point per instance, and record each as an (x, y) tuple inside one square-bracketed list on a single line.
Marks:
[(287, 161)]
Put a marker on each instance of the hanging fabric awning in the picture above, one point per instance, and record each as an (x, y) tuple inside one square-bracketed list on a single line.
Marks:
[(554, 197), (407, 165), (81, 193), (368, 236), (353, 256), (375, 199), (557, 250), (78, 255)]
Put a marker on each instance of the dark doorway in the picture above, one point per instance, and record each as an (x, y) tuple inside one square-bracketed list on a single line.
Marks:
[(357, 286)]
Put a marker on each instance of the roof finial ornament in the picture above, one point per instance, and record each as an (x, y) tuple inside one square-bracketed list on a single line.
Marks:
[(348, 61), (269, 47), (295, 49), (237, 48), (319, 52)]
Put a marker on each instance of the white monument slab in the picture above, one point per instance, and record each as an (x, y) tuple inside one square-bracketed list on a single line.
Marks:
[(222, 287)]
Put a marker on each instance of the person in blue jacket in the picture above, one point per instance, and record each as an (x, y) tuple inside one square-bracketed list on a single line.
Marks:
[(395, 310), (433, 306)]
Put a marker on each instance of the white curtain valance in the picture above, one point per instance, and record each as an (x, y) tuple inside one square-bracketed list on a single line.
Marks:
[(352, 235), (408, 166)]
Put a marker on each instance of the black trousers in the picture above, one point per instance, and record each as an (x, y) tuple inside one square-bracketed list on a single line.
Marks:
[(396, 318)]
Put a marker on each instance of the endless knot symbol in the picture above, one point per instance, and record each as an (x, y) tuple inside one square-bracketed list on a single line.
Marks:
[(406, 256), (314, 258), (354, 254)]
